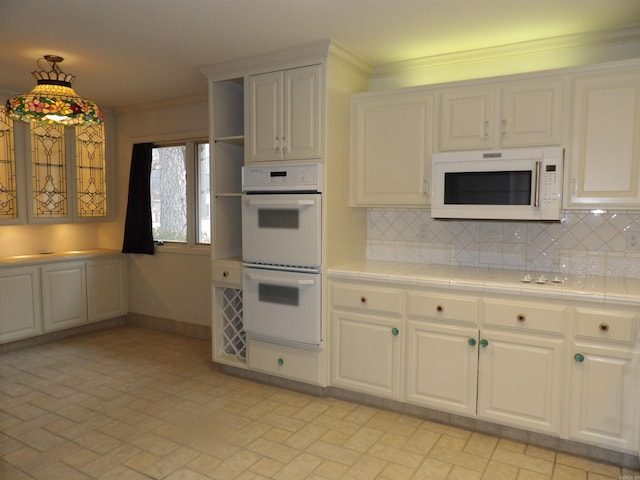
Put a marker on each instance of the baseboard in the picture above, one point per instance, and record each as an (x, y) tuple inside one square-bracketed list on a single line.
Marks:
[(202, 332)]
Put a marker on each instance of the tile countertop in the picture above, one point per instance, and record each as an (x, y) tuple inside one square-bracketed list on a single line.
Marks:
[(38, 258), (587, 288)]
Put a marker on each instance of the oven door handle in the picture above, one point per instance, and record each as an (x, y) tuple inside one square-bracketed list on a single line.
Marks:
[(254, 202), (278, 281)]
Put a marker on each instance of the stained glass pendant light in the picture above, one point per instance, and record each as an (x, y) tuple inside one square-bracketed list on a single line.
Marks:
[(52, 100)]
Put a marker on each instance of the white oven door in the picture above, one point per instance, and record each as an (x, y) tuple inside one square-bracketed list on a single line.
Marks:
[(282, 229), (282, 306)]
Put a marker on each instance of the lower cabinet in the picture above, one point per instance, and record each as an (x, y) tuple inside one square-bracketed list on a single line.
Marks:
[(367, 354), (520, 380), (59, 294), (20, 309), (64, 295), (605, 373)]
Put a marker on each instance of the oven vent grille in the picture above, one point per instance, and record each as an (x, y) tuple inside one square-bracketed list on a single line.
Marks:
[(234, 340)]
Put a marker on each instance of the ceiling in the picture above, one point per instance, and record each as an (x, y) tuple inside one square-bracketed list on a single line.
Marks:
[(126, 52)]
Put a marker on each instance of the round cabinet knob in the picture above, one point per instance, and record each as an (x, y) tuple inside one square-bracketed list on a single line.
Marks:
[(440, 308), (395, 331), (579, 357), (472, 342), (484, 343), (604, 327), (280, 362), (225, 274), (521, 317), (363, 299)]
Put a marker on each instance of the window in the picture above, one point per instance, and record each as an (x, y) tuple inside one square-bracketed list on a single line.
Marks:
[(180, 199)]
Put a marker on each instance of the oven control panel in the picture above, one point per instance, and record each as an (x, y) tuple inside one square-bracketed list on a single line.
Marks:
[(282, 178)]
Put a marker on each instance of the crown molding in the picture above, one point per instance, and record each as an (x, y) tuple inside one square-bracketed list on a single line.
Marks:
[(533, 48)]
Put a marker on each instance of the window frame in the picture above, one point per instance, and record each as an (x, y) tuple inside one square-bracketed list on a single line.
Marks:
[(191, 245)]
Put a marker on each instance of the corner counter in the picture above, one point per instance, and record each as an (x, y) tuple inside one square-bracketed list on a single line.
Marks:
[(47, 292)]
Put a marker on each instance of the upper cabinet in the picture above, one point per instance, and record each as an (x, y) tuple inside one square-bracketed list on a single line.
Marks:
[(391, 148), (604, 169), (511, 114), (285, 115)]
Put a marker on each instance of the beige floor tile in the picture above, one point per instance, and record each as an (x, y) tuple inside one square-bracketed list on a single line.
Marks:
[(133, 404)]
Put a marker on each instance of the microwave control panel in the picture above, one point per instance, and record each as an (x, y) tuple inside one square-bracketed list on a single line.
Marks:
[(550, 189)]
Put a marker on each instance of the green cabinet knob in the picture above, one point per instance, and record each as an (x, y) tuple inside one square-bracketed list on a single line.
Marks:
[(484, 343), (395, 331), (579, 357), (280, 362), (472, 342)]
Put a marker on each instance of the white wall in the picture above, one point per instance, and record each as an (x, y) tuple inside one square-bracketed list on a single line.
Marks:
[(174, 285)]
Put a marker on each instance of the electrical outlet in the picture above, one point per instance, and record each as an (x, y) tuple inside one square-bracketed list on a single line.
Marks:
[(633, 241)]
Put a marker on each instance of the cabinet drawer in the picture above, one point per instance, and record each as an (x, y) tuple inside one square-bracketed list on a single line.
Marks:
[(227, 274), (605, 325), (366, 298), (524, 316), (443, 307), (283, 361)]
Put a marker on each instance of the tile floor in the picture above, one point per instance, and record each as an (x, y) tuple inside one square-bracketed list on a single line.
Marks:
[(131, 403)]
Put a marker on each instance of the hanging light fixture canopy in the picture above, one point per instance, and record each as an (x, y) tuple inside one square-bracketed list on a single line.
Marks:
[(53, 100)]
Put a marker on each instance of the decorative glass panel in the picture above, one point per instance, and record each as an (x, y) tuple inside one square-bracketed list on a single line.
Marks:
[(8, 195), (49, 179), (91, 171)]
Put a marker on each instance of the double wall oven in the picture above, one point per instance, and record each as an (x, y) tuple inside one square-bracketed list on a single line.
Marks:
[(282, 253)]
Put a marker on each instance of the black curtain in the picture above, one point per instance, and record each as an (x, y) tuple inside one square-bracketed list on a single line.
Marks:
[(138, 235)]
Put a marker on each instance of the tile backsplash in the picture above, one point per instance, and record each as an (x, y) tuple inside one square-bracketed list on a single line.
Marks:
[(582, 243)]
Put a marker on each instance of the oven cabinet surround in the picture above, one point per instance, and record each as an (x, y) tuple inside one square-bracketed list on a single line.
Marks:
[(45, 293), (391, 146), (604, 168), (228, 341), (303, 95), (537, 362), (285, 115)]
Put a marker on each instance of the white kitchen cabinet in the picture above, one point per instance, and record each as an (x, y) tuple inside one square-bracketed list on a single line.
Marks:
[(366, 339), (604, 380), (442, 366), (228, 343), (64, 295), (391, 146), (106, 288), (515, 113), (520, 372), (520, 380), (20, 306), (285, 120), (441, 351), (604, 159)]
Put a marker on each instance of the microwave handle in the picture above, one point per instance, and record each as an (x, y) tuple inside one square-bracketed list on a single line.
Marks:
[(254, 202), (278, 281), (536, 199)]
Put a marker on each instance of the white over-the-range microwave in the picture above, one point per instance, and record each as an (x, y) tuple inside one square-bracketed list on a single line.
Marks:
[(512, 184)]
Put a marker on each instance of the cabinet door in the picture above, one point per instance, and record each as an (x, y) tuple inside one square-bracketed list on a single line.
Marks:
[(391, 149), (531, 113), (64, 295), (442, 367), (604, 397), (265, 117), (20, 313), (301, 135), (106, 289), (466, 118), (366, 354), (605, 145), (520, 381)]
